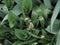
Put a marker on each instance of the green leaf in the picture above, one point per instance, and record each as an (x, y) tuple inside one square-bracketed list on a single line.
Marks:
[(21, 34), (58, 38), (2, 14), (12, 19), (6, 42), (26, 6), (44, 33), (25, 42), (8, 3), (35, 15), (35, 43), (55, 14), (18, 7), (56, 27), (3, 29), (49, 44), (47, 3), (40, 14), (18, 1), (44, 11), (17, 10), (42, 20), (4, 19), (17, 43), (4, 8), (37, 10), (34, 33)]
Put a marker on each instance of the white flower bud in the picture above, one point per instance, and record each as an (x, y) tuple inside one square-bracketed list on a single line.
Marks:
[(42, 36), (26, 19), (31, 25), (0, 43), (35, 43)]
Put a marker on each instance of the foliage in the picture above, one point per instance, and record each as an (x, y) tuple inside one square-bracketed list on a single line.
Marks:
[(29, 22)]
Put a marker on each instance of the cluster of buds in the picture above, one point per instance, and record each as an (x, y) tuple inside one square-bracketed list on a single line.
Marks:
[(31, 26)]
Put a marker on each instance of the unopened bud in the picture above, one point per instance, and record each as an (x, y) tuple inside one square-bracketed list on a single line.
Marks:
[(35, 43), (31, 25), (42, 37), (26, 19), (0, 43)]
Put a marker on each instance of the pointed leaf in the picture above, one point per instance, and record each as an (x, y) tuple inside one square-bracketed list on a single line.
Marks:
[(56, 27), (12, 18), (58, 38), (26, 6), (55, 13), (47, 3)]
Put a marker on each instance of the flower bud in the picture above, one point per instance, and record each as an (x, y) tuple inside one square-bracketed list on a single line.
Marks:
[(42, 36), (31, 25), (0, 43), (26, 19), (35, 43)]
